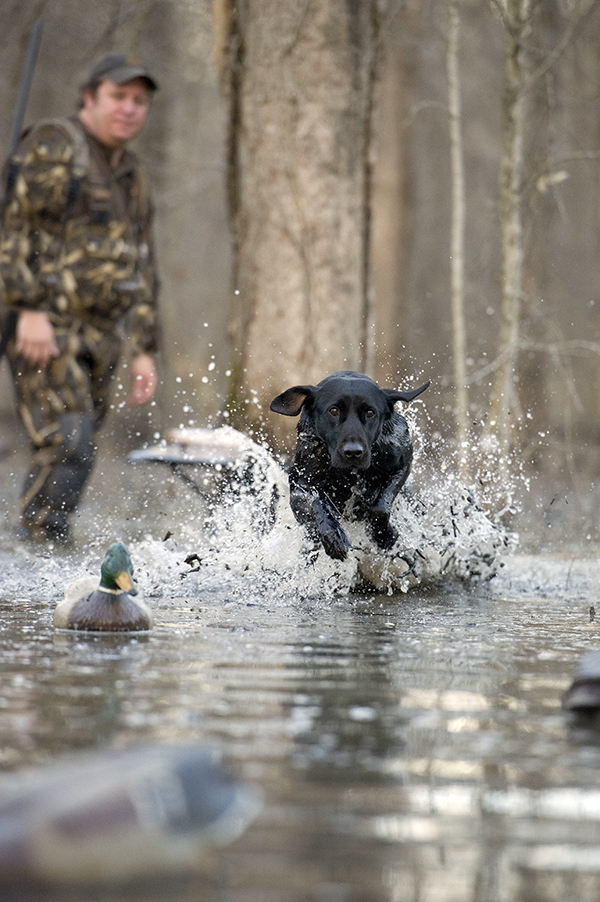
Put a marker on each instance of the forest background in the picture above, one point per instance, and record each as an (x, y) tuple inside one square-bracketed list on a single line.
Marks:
[(405, 188)]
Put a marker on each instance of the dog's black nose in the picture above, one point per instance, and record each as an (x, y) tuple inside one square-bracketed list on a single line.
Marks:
[(353, 450)]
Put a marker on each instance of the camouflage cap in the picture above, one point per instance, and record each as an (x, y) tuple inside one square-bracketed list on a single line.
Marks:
[(120, 68)]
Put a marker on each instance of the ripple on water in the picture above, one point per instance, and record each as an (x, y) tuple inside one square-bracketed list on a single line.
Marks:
[(410, 745)]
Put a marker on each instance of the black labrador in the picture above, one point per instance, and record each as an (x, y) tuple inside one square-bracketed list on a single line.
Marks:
[(353, 455)]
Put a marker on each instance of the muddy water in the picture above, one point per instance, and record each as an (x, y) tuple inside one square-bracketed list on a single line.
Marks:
[(409, 746)]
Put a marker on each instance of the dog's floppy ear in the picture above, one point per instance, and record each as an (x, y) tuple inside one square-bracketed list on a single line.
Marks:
[(291, 401), (392, 395)]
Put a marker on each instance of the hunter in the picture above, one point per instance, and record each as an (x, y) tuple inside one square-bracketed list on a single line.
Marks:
[(78, 276)]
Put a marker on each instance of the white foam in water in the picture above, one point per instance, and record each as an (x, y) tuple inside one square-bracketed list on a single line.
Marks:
[(252, 537), (251, 543)]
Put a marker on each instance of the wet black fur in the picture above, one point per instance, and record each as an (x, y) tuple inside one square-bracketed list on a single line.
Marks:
[(353, 455)]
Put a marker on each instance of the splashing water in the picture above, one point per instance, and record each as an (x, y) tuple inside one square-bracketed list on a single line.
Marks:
[(252, 539), (243, 539)]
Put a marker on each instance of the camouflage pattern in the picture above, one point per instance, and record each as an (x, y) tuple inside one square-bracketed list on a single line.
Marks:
[(95, 262), (62, 407), (76, 242)]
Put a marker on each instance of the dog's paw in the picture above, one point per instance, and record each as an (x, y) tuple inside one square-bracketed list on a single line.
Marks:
[(384, 535), (336, 543)]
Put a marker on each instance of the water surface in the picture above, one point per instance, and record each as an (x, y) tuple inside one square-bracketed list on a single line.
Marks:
[(410, 746)]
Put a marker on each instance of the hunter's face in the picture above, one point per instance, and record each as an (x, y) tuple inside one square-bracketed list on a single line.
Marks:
[(116, 113)]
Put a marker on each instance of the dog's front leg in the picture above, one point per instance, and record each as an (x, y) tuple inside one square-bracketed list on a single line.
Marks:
[(378, 513), (320, 520), (384, 534)]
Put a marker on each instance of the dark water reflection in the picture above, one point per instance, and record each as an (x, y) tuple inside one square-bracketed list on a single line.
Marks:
[(410, 748)]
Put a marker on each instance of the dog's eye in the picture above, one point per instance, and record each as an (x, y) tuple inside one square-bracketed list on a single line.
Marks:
[(370, 413), (334, 411)]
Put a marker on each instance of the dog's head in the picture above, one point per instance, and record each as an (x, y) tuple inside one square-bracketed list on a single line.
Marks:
[(347, 411)]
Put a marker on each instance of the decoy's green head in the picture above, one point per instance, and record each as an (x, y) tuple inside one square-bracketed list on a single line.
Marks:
[(117, 570)]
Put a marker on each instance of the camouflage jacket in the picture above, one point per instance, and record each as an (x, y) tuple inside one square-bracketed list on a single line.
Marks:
[(76, 237)]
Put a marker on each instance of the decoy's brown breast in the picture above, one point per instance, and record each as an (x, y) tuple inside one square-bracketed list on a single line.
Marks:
[(107, 614)]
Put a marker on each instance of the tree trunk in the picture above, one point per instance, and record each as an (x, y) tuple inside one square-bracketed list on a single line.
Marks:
[(457, 243), (300, 79), (504, 412)]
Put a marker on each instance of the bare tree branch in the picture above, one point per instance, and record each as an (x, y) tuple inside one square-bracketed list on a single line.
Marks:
[(573, 28)]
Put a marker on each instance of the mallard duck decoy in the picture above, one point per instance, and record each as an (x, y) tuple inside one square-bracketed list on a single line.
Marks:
[(109, 606), (115, 817), (583, 695)]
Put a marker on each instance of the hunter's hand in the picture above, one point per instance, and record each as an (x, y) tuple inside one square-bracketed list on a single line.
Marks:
[(35, 338), (144, 379)]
